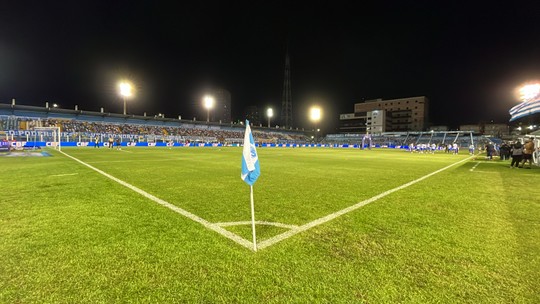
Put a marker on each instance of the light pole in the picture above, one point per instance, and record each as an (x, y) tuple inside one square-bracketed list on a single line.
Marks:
[(126, 90), (208, 102), (315, 115), (270, 114)]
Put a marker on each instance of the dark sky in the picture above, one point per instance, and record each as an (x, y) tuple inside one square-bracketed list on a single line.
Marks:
[(466, 57)]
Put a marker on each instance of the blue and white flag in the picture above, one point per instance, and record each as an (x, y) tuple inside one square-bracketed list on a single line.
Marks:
[(524, 109), (250, 161)]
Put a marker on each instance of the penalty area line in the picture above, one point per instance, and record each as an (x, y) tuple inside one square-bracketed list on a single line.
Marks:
[(324, 219), (237, 239)]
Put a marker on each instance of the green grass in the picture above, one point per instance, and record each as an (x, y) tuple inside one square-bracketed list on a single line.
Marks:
[(459, 236)]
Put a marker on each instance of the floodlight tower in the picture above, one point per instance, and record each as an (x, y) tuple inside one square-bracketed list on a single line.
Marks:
[(286, 102), (270, 114), (126, 90), (208, 102)]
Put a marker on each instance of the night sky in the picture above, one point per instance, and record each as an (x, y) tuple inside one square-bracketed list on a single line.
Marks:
[(466, 57)]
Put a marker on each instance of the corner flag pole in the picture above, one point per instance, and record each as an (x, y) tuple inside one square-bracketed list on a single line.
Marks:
[(250, 172), (253, 220)]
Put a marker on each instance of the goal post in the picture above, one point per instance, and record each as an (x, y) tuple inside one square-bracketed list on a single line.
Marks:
[(49, 134)]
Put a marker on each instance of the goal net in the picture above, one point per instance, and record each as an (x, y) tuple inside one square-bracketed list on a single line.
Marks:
[(49, 135)]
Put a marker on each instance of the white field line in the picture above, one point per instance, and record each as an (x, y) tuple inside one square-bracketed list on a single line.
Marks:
[(322, 220), (228, 224), (269, 242), (129, 161), (67, 174), (472, 169), (191, 216)]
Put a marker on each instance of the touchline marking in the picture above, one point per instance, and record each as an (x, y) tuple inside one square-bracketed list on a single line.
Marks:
[(174, 208), (129, 161), (322, 220)]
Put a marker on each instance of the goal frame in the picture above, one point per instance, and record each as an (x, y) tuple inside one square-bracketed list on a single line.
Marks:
[(56, 136)]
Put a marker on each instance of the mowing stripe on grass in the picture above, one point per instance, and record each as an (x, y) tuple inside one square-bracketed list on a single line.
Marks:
[(174, 208), (67, 174), (227, 224), (322, 220)]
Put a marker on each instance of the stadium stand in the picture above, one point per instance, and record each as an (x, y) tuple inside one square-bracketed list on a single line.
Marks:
[(84, 126)]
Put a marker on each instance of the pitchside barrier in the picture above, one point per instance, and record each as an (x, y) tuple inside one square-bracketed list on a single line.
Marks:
[(177, 144)]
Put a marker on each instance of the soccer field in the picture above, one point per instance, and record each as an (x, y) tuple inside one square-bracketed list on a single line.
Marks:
[(160, 225)]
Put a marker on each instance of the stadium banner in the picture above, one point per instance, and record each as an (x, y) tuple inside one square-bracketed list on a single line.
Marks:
[(26, 144), (4, 146)]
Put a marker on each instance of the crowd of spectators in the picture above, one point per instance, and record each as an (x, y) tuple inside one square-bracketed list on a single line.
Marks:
[(182, 132)]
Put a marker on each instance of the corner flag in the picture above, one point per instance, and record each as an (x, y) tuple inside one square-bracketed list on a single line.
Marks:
[(250, 173), (250, 160)]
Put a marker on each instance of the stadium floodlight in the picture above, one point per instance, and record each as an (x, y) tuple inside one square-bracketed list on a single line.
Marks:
[(125, 89), (270, 114), (529, 92), (208, 102), (315, 114)]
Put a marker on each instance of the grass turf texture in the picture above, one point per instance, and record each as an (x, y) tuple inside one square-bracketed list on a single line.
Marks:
[(458, 236)]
